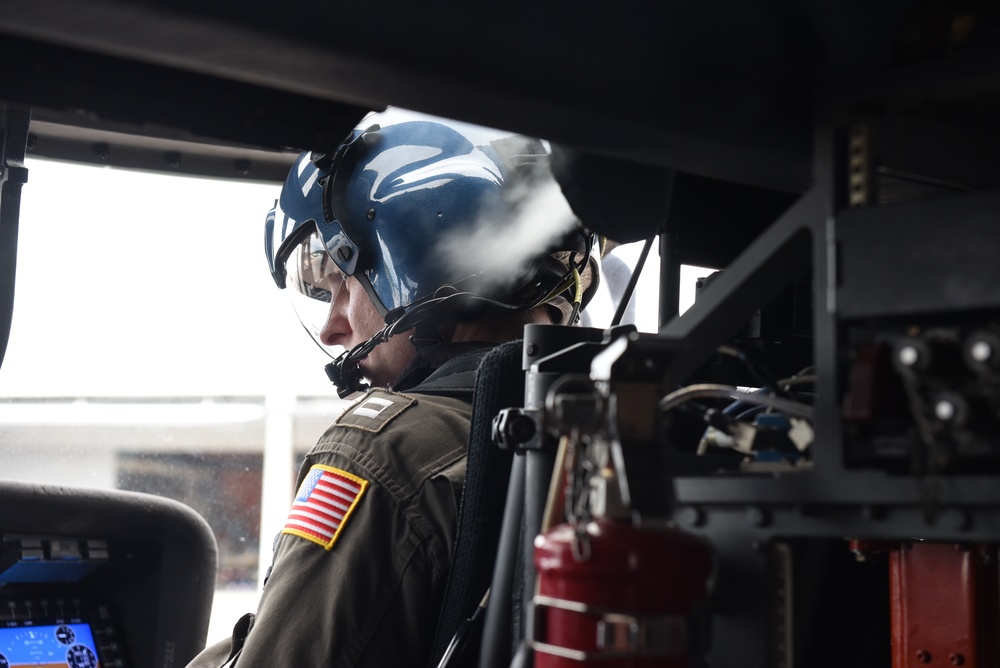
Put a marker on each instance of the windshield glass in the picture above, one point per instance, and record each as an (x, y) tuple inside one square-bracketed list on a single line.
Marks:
[(150, 351)]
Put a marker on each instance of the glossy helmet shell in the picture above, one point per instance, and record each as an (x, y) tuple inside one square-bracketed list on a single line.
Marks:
[(397, 186)]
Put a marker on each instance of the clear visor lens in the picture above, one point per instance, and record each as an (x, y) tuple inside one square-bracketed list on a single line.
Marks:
[(313, 281)]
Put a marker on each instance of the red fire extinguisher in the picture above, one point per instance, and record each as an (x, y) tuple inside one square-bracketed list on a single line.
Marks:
[(616, 594)]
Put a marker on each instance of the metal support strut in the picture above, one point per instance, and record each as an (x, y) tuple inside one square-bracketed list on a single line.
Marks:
[(13, 174)]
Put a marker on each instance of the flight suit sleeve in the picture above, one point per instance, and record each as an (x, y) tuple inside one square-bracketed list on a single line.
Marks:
[(365, 592), (223, 651)]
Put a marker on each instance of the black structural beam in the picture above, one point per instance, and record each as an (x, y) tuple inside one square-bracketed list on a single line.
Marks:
[(13, 174)]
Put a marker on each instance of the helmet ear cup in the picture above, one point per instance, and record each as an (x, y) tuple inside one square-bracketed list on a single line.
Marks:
[(552, 284), (547, 276)]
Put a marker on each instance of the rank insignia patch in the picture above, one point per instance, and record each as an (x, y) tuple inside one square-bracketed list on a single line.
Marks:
[(326, 499), (374, 411)]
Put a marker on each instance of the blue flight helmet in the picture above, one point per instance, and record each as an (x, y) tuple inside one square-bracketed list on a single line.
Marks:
[(398, 193)]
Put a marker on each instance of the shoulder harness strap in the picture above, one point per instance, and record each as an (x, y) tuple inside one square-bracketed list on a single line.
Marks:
[(455, 378)]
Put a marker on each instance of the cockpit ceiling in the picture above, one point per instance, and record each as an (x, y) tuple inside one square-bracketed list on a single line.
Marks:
[(723, 90)]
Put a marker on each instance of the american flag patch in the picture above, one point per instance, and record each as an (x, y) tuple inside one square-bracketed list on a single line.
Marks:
[(326, 498)]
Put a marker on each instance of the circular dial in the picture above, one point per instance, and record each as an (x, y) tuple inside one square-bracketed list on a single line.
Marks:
[(65, 635), (79, 656)]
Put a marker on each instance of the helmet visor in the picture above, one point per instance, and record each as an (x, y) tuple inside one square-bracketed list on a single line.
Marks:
[(313, 280)]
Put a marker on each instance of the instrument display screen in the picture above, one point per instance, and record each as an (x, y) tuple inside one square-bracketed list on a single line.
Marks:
[(53, 644)]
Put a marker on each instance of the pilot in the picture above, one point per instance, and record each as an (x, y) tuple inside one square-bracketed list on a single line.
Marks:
[(410, 252)]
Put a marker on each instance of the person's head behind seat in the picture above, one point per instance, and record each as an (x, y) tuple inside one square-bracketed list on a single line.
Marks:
[(451, 230)]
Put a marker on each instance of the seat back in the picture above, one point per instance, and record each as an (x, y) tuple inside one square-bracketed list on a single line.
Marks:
[(499, 385)]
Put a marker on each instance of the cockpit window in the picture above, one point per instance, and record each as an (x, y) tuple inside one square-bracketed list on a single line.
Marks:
[(150, 351)]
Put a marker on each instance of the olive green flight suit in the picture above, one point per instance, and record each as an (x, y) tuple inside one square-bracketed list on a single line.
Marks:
[(360, 582)]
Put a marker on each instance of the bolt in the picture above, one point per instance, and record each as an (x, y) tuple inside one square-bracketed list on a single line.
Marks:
[(370, 215), (532, 350), (956, 659), (692, 516), (757, 516), (521, 429), (923, 656), (243, 167), (344, 253), (102, 151), (908, 356), (981, 351), (32, 143), (172, 158), (944, 410)]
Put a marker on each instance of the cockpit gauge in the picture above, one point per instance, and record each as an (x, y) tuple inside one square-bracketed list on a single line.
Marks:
[(65, 635), (79, 656)]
